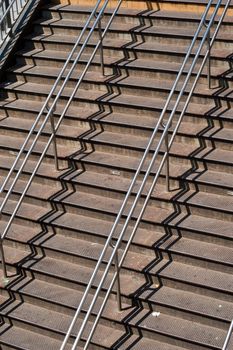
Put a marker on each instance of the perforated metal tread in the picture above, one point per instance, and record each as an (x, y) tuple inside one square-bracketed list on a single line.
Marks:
[(43, 320), (23, 339), (180, 329), (196, 276), (190, 303)]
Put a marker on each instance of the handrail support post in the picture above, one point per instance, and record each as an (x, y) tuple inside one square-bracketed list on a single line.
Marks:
[(54, 139), (3, 260), (118, 283), (101, 46), (209, 56), (167, 170), (167, 163)]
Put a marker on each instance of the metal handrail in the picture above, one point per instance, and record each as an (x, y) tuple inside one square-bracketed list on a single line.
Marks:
[(10, 12), (166, 126), (228, 337), (48, 109)]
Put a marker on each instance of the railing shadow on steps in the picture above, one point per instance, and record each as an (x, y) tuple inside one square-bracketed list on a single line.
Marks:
[(203, 34), (10, 10)]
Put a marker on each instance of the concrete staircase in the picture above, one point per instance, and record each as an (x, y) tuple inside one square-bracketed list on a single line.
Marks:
[(177, 281)]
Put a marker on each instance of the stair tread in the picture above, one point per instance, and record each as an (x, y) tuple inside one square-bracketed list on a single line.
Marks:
[(149, 344), (36, 106), (73, 23), (35, 189), (113, 98), (69, 39), (25, 339), (201, 250), (181, 329), (216, 178), (126, 80), (78, 273), (209, 225), (189, 302), (30, 211), (90, 250), (208, 200), (163, 13), (197, 276), (13, 143), (59, 322), (63, 296), (137, 63), (102, 228), (20, 124), (111, 205), (129, 27)]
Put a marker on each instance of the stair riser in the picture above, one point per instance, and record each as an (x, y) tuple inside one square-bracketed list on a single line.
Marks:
[(218, 294), (186, 315)]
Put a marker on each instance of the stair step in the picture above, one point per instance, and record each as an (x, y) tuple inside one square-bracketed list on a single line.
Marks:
[(131, 12), (211, 201), (220, 256), (18, 338), (189, 304), (153, 30), (58, 298), (197, 277), (198, 224), (55, 323), (125, 80), (70, 274), (180, 331)]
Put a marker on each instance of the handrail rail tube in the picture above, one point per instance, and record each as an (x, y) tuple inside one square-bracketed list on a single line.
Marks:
[(56, 128), (228, 337), (100, 284)]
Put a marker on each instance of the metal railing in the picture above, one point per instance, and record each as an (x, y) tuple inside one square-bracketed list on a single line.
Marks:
[(47, 114), (9, 13), (228, 337), (93, 289)]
